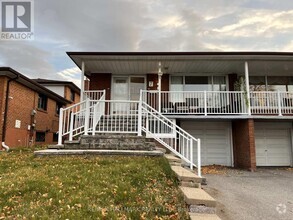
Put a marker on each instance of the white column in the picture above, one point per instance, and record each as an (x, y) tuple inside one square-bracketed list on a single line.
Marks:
[(82, 81), (247, 87), (160, 73), (60, 132)]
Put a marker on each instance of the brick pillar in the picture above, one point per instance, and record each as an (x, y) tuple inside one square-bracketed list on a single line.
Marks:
[(244, 144)]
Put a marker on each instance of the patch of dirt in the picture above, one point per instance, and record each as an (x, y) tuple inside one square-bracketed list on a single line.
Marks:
[(214, 169)]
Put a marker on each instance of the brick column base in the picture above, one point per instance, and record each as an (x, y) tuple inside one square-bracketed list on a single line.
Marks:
[(244, 144)]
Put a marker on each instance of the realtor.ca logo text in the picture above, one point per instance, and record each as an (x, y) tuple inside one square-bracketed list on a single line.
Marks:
[(17, 20)]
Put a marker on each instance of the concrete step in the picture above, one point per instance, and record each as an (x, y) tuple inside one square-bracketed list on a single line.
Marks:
[(195, 196), (55, 152), (203, 216), (172, 158), (185, 175)]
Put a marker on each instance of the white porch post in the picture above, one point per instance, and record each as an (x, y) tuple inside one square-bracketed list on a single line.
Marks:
[(60, 133), (82, 81), (247, 87), (139, 123), (87, 116), (160, 74)]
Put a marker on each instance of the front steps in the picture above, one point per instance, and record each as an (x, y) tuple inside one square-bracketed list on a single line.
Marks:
[(201, 205), (106, 144), (60, 152)]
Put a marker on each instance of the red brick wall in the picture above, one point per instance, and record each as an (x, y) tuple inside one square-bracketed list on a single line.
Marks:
[(244, 144), (3, 83), (23, 100), (101, 81), (67, 95)]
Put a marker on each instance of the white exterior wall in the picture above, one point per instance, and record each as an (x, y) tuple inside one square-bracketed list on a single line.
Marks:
[(57, 89)]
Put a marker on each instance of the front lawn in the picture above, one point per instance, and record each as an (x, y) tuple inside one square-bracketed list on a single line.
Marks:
[(88, 188)]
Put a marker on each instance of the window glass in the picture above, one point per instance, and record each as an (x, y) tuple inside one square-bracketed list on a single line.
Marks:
[(278, 83), (175, 80), (198, 83), (257, 83), (40, 136), (72, 95), (42, 102), (55, 137), (219, 83), (58, 107)]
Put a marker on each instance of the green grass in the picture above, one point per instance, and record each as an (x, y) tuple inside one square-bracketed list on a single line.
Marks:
[(88, 188)]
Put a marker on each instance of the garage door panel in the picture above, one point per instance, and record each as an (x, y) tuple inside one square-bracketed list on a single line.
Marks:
[(273, 144), (215, 141)]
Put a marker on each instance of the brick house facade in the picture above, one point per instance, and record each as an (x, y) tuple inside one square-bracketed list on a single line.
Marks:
[(28, 119)]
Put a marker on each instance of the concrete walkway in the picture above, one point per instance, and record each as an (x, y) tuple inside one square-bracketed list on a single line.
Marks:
[(266, 194)]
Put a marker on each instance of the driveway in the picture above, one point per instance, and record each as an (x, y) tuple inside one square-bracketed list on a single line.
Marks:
[(242, 195)]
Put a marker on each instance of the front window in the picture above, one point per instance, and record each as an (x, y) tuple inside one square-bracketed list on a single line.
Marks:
[(198, 83), (271, 83)]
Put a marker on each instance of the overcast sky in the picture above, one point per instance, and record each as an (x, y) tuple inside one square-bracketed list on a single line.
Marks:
[(146, 25)]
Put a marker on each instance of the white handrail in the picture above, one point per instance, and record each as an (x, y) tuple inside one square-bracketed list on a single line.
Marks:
[(76, 119), (181, 144)]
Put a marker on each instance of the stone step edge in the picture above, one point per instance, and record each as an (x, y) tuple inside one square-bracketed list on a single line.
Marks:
[(198, 197), (203, 216), (185, 175)]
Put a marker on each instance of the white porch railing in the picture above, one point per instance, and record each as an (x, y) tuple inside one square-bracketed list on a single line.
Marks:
[(271, 103), (205, 102), (94, 94), (76, 119), (115, 116), (171, 136)]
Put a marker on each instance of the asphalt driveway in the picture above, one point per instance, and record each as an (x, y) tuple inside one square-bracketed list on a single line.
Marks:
[(242, 195)]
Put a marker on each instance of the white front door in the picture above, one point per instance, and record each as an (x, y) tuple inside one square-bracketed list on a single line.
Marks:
[(273, 144), (120, 89)]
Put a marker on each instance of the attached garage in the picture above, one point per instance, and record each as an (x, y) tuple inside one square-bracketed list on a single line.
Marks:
[(215, 141), (273, 143)]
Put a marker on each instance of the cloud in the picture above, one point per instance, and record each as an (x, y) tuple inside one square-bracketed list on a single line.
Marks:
[(266, 23), (71, 74), (139, 25), (26, 57)]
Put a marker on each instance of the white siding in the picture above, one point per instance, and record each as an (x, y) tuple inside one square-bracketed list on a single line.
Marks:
[(57, 89), (273, 144), (215, 141)]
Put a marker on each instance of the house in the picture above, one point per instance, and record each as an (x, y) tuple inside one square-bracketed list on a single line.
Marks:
[(29, 111), (226, 108), (66, 89)]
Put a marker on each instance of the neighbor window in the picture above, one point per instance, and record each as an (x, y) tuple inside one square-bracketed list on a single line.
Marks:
[(55, 137), (40, 136), (42, 102), (58, 107), (72, 95)]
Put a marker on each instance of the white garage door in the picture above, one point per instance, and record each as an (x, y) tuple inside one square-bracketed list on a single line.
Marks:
[(215, 141), (273, 144)]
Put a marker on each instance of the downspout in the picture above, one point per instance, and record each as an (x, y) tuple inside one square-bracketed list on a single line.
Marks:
[(5, 113)]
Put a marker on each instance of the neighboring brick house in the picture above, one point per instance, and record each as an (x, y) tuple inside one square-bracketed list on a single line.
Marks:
[(30, 115), (65, 89)]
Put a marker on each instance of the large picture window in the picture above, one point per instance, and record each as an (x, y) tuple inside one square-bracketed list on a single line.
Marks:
[(271, 83), (198, 83)]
